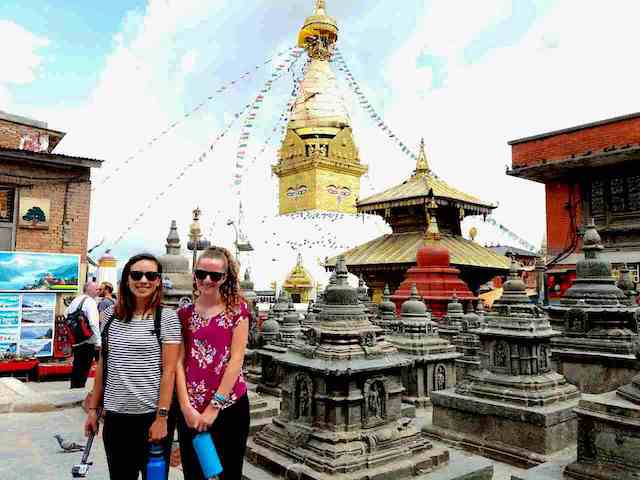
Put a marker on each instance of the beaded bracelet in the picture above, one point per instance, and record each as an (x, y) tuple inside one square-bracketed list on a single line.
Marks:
[(221, 405)]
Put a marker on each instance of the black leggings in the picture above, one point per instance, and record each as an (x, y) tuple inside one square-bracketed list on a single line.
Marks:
[(83, 356), (126, 443), (229, 432)]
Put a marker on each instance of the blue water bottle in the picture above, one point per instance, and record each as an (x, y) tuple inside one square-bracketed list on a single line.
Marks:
[(207, 454), (157, 465)]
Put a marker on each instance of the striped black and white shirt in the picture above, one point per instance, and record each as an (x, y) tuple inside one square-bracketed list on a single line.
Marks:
[(134, 364)]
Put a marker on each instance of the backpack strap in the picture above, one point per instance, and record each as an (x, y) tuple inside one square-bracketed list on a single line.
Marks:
[(104, 352), (157, 329)]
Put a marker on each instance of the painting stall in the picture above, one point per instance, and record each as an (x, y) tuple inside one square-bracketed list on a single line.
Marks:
[(34, 291)]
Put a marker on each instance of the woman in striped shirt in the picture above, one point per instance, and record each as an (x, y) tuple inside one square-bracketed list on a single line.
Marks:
[(135, 376), (210, 386)]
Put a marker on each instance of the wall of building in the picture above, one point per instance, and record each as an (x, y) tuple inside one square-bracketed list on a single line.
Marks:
[(78, 199), (563, 145), (563, 201)]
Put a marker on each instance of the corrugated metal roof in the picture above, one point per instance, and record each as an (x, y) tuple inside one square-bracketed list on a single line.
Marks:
[(402, 247)]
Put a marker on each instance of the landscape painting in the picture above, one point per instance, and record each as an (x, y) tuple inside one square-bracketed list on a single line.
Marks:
[(26, 271), (37, 316), (9, 334), (9, 318), (37, 348), (36, 332), (38, 300), (9, 302), (8, 347)]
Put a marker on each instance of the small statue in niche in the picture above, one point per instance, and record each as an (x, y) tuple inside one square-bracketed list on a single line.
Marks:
[(303, 399), (544, 362), (500, 355), (324, 151), (440, 378), (374, 401)]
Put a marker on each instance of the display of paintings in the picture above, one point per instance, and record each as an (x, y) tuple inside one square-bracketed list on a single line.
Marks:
[(27, 271), (27, 323)]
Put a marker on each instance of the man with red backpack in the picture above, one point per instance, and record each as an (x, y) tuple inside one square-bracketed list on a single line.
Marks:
[(84, 310)]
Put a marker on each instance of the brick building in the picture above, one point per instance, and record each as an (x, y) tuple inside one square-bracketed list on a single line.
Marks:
[(589, 171), (32, 175)]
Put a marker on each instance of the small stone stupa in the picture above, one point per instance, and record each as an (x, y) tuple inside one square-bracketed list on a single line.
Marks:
[(468, 344), (595, 351), (176, 271), (515, 409), (341, 404), (386, 317), (437, 281), (433, 357), (451, 323), (363, 295)]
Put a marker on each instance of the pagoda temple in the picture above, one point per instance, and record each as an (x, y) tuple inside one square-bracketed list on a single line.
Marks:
[(406, 208), (319, 164), (299, 283)]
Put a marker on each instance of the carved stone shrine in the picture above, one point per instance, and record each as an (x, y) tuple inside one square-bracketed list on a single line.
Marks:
[(515, 408), (595, 351)]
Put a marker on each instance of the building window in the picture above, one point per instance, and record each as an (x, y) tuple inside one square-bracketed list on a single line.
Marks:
[(6, 204), (617, 195)]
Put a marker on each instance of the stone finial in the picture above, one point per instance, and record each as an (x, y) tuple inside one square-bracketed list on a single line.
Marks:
[(591, 242), (413, 307), (173, 240)]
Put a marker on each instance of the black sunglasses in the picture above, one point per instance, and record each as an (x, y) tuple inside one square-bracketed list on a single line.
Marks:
[(215, 276), (136, 275)]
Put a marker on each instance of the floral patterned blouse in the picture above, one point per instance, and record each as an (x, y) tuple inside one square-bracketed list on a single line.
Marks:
[(207, 343)]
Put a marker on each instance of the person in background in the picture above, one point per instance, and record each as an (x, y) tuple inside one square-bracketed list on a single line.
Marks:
[(85, 352), (106, 296), (212, 392), (135, 376)]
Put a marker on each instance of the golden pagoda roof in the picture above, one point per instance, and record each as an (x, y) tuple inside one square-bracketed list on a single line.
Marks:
[(401, 248), (298, 277), (418, 187)]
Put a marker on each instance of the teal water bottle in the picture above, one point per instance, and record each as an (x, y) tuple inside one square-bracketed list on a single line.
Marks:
[(157, 465), (207, 455)]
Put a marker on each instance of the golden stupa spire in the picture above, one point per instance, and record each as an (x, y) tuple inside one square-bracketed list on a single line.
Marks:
[(422, 164), (319, 33)]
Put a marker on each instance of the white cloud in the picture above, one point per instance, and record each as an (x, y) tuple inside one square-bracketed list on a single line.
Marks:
[(516, 91), (21, 58)]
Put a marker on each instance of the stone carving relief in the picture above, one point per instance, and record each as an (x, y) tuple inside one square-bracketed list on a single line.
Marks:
[(544, 358), (301, 386), (501, 355), (575, 321), (368, 339), (439, 378), (375, 401)]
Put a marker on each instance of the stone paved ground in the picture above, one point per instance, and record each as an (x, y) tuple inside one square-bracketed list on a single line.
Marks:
[(29, 451)]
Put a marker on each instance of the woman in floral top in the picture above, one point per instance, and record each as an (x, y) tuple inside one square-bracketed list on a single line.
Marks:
[(211, 389)]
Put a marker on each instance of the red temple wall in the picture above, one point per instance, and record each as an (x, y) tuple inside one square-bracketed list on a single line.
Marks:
[(563, 145)]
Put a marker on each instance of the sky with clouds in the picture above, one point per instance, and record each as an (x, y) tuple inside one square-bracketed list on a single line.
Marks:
[(468, 76)]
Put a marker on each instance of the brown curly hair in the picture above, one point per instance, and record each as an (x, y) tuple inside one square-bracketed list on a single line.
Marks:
[(230, 289)]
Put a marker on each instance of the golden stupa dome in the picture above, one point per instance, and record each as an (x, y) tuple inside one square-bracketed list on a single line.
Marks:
[(298, 277)]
